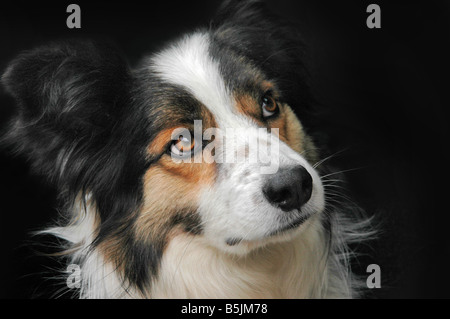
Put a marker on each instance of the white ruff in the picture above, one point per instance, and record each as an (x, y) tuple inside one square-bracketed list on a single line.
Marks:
[(297, 269)]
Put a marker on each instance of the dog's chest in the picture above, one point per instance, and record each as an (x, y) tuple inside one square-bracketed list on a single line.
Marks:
[(191, 270)]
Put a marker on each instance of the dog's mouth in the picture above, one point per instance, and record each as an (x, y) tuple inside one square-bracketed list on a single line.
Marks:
[(233, 241), (291, 225)]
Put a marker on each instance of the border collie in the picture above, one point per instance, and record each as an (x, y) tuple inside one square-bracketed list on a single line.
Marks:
[(152, 214)]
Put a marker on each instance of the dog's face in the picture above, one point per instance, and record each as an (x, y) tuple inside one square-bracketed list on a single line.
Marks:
[(237, 203), (239, 175)]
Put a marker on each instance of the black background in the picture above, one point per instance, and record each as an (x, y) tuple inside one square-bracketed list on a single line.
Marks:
[(386, 90)]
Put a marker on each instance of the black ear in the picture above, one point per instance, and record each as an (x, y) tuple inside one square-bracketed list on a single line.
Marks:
[(70, 98), (229, 9), (64, 80), (242, 12)]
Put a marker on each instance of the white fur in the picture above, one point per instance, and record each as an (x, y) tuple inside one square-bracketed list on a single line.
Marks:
[(99, 279), (188, 64), (192, 268), (235, 207)]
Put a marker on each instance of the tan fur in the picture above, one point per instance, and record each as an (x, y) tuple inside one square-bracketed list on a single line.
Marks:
[(248, 106), (296, 137), (170, 189), (290, 129)]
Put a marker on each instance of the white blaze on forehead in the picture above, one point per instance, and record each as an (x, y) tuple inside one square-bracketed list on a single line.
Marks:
[(188, 64)]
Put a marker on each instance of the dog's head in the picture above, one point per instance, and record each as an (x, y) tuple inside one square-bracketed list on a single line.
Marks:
[(201, 138)]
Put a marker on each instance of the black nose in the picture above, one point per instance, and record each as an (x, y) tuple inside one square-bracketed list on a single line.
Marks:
[(288, 189)]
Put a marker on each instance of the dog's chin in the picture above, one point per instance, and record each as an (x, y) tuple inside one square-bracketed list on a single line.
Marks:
[(279, 234)]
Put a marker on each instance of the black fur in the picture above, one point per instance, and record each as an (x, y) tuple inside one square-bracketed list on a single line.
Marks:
[(79, 128), (248, 28)]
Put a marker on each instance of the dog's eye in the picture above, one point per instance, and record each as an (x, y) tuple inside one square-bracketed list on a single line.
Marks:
[(269, 106), (183, 147)]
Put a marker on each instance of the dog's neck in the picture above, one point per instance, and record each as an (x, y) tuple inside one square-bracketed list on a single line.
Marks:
[(296, 269)]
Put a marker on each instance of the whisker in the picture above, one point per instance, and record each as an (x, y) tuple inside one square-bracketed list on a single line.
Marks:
[(324, 181), (334, 186), (343, 171), (329, 157)]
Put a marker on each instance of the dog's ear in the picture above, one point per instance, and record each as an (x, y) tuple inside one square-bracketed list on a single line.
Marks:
[(75, 85), (70, 100)]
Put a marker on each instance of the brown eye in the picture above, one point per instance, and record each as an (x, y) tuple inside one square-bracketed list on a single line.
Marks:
[(269, 106), (183, 146)]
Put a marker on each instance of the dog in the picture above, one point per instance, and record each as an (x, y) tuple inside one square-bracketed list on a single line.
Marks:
[(148, 213)]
